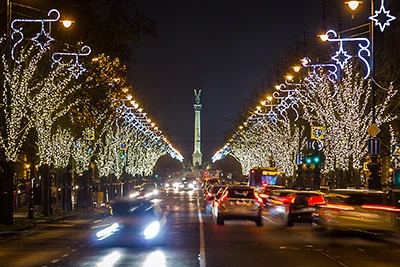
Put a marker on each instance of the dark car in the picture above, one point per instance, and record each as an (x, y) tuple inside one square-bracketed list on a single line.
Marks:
[(210, 195), (131, 222), (365, 211), (266, 192), (294, 206)]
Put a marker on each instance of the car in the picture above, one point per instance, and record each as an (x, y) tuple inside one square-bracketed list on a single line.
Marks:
[(367, 211), (148, 190), (238, 203), (265, 193), (131, 222), (293, 206), (210, 195)]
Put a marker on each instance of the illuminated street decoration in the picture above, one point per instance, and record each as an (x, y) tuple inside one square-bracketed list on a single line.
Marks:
[(332, 68), (345, 118), (342, 57), (382, 18), (76, 68), (42, 38)]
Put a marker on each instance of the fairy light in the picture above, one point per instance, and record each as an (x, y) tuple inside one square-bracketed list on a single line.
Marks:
[(345, 117)]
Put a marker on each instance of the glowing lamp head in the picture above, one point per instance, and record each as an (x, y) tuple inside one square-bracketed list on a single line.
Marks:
[(289, 77), (324, 37), (67, 23), (277, 87), (296, 68), (129, 97), (269, 98), (353, 4)]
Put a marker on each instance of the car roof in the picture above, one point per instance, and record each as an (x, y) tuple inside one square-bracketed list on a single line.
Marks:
[(240, 187)]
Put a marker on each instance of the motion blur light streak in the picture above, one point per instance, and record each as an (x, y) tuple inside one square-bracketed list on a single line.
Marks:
[(156, 258), (110, 260)]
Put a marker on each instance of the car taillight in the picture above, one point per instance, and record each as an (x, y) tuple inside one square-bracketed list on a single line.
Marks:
[(259, 199), (287, 199), (380, 207), (264, 195), (314, 200), (338, 207), (224, 196)]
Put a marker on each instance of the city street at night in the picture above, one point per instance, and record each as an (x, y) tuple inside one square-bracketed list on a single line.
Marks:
[(199, 242)]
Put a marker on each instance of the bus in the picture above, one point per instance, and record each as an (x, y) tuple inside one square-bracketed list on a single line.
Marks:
[(264, 176)]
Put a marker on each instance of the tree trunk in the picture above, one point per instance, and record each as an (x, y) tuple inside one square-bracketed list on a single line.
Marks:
[(46, 190), (6, 192)]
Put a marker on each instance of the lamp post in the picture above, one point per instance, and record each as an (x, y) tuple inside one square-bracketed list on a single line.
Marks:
[(380, 18)]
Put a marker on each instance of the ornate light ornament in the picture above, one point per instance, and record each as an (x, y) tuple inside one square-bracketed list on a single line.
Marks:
[(382, 18), (76, 68), (342, 57), (42, 38)]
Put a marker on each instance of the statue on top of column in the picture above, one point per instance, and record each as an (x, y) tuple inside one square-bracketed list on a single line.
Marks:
[(197, 96)]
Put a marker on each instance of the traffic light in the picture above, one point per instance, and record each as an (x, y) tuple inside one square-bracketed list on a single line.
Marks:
[(316, 158)]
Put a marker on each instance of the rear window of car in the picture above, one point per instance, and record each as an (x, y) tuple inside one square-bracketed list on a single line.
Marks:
[(240, 193), (359, 199), (215, 189)]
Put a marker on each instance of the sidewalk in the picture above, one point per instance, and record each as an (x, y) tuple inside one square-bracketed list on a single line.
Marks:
[(22, 223)]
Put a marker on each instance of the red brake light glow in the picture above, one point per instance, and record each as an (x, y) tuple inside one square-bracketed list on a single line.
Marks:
[(379, 207), (287, 199), (314, 200), (224, 196), (259, 199)]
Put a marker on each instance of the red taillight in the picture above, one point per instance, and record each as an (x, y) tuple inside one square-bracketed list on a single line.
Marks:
[(259, 199), (379, 207), (287, 199), (224, 196), (338, 207), (314, 200)]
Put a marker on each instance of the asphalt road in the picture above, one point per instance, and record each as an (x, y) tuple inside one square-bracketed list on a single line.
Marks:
[(195, 240)]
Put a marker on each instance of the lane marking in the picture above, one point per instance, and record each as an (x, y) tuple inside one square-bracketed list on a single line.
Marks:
[(202, 255), (331, 257)]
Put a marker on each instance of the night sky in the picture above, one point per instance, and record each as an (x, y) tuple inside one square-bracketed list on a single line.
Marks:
[(225, 48)]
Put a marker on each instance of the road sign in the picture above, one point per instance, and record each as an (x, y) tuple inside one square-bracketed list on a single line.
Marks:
[(317, 132), (373, 130), (396, 163), (374, 146), (396, 150)]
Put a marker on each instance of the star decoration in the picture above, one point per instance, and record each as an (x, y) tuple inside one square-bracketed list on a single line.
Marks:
[(76, 69), (382, 18), (42, 39), (341, 57)]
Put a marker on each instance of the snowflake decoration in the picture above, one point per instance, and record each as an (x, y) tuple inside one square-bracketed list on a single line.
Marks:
[(42, 39), (341, 57), (382, 18)]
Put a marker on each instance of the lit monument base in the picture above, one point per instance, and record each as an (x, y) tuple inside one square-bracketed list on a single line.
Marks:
[(197, 158)]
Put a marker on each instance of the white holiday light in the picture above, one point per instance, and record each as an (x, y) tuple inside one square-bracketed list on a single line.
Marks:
[(378, 17), (42, 38), (75, 68)]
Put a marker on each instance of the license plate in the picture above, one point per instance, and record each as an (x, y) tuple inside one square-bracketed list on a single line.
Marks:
[(241, 203)]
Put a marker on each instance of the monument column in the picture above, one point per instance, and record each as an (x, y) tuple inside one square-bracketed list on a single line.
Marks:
[(197, 156)]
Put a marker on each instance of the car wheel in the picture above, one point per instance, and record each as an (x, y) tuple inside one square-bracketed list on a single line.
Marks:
[(220, 220), (259, 221)]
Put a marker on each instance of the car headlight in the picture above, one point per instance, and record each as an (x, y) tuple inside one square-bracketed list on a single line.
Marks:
[(194, 182), (152, 230), (191, 185), (106, 232), (181, 185), (155, 191), (167, 185)]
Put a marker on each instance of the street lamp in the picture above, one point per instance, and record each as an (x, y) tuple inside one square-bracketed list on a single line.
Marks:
[(380, 18)]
